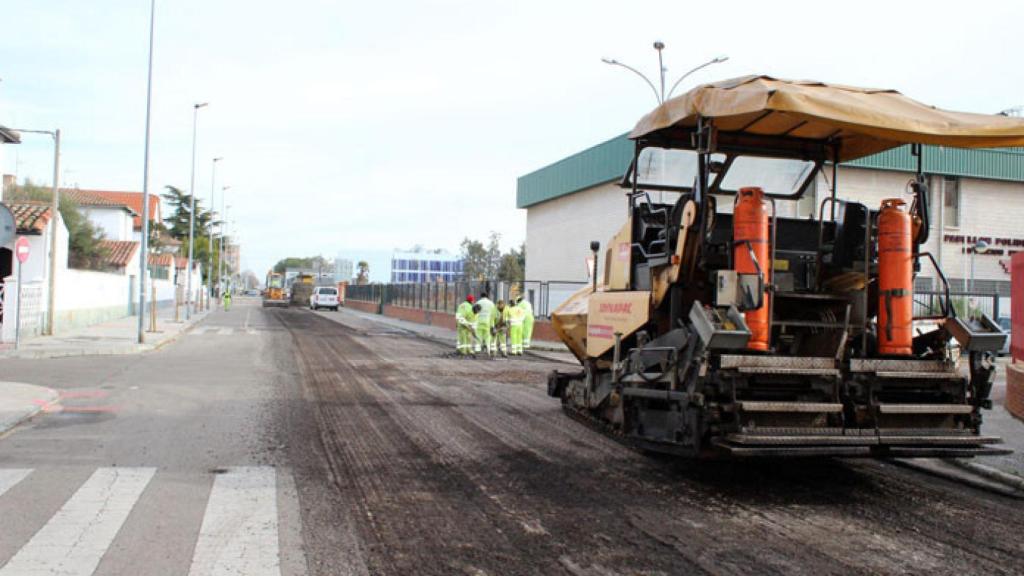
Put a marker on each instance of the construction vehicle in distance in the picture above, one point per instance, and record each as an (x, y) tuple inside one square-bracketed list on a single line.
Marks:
[(273, 294), (725, 326), (302, 289)]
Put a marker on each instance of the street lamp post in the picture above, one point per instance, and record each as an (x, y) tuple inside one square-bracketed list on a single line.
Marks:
[(145, 180), (220, 245), (51, 297), (660, 95), (192, 213), (209, 265)]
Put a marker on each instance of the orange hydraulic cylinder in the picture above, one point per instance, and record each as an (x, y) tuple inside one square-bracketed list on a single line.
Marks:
[(895, 280), (750, 235)]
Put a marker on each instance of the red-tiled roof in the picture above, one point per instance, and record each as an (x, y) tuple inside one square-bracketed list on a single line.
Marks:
[(120, 253), (164, 259), (30, 217), (92, 198), (133, 200)]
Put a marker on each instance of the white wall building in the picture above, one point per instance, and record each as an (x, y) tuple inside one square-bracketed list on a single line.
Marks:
[(975, 194), (114, 218)]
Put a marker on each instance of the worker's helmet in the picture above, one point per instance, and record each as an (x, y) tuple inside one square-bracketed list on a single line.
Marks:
[(470, 298)]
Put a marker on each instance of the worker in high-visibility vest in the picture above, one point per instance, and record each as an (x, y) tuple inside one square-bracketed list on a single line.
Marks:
[(465, 325), (499, 328), (527, 321), (516, 317), (483, 325), (227, 300)]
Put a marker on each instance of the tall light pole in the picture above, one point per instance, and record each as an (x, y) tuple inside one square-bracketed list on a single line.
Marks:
[(213, 196), (143, 262), (715, 60), (51, 298), (660, 95), (223, 224), (192, 212)]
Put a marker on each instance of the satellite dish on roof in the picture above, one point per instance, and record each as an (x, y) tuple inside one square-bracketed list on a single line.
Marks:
[(7, 227)]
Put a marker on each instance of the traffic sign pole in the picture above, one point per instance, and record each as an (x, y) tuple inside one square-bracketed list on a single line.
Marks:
[(21, 251)]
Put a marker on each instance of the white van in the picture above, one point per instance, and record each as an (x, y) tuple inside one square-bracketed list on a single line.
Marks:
[(324, 297)]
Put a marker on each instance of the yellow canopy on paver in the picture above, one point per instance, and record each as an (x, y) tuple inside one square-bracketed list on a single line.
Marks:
[(862, 121)]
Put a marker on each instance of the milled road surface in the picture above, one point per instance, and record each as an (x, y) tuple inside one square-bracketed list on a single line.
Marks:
[(445, 466), (279, 441)]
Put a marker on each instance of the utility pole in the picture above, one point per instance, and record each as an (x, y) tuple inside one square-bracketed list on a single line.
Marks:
[(213, 196), (51, 297), (220, 249), (192, 213), (145, 181)]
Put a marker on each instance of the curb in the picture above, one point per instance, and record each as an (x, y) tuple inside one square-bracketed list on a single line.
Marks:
[(51, 396), (121, 350), (447, 341), (954, 471), (1007, 479)]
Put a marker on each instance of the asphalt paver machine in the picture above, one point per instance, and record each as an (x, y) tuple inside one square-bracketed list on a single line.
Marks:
[(745, 308)]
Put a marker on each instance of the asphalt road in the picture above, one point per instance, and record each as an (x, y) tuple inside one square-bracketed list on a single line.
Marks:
[(281, 441)]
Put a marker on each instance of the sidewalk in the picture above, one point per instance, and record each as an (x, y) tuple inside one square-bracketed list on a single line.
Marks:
[(19, 402), (114, 337), (550, 350)]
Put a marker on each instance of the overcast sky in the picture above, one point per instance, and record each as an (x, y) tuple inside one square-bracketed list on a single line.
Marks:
[(349, 125)]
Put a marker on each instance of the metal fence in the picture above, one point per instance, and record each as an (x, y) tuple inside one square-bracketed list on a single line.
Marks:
[(930, 303), (547, 296), (446, 296)]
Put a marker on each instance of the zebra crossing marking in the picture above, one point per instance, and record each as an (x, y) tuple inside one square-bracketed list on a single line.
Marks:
[(239, 534), (9, 478), (74, 540)]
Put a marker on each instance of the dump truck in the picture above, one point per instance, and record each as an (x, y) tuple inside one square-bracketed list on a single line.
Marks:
[(302, 289), (722, 325), (273, 293)]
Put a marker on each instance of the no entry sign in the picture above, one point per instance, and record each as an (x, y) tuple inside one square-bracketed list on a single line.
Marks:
[(21, 249)]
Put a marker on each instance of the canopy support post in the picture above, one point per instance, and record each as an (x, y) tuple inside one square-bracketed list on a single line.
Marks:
[(835, 176)]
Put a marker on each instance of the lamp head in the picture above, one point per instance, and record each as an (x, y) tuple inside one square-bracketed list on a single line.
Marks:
[(659, 45), (200, 105)]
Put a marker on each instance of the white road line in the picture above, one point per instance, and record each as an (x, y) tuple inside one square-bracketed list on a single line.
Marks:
[(225, 331), (76, 537), (9, 477), (239, 531)]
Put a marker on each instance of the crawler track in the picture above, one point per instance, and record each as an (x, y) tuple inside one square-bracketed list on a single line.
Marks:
[(445, 466)]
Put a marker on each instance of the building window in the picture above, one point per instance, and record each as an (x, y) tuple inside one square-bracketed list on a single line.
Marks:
[(951, 201)]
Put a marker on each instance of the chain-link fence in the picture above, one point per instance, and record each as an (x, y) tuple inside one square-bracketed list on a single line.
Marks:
[(446, 296)]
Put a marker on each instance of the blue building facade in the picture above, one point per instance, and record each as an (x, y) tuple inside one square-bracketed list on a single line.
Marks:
[(417, 267)]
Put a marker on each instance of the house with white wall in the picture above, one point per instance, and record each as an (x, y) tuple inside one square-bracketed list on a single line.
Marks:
[(33, 221), (114, 218)]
